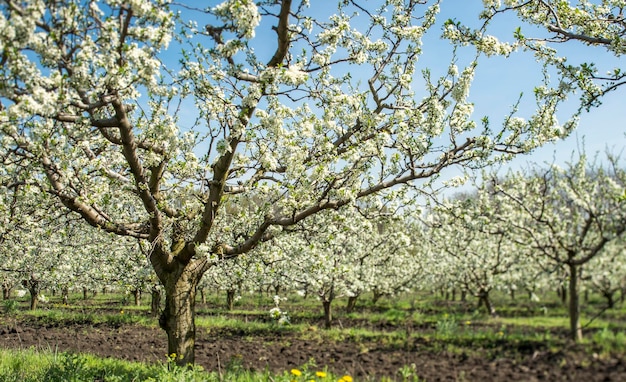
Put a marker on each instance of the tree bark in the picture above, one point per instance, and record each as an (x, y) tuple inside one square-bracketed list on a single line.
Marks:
[(610, 299), (328, 314), (376, 296), (137, 296), (6, 292), (203, 295), (576, 333), (32, 284), (563, 294), (230, 299), (483, 300), (155, 303), (351, 303), (178, 317), (65, 294)]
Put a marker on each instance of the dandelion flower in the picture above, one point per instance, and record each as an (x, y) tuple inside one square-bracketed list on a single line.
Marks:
[(296, 372), (346, 378), (320, 374)]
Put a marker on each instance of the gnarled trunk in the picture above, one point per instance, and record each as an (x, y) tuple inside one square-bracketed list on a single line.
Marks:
[(178, 317)]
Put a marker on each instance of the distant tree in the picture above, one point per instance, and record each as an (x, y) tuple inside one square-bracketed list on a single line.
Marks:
[(568, 216), (471, 248)]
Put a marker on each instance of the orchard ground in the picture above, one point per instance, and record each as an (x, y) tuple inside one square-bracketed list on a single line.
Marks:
[(400, 339)]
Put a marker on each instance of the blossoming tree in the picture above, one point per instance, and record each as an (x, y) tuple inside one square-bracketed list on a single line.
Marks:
[(252, 100), (344, 254), (567, 216), (472, 249)]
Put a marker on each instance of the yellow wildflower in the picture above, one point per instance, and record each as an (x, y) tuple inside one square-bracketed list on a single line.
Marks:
[(320, 374), (346, 378), (296, 372)]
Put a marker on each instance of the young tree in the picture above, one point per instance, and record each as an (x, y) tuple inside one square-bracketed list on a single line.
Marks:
[(145, 142), (344, 253), (567, 215)]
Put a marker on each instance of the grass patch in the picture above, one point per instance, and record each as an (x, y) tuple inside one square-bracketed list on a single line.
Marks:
[(38, 366), (59, 317)]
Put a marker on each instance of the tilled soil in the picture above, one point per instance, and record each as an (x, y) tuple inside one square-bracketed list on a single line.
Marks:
[(281, 351)]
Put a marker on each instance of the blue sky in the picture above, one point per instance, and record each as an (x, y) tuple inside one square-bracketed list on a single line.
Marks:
[(499, 81)]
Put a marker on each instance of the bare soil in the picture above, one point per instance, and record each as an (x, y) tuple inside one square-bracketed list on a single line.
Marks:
[(280, 351)]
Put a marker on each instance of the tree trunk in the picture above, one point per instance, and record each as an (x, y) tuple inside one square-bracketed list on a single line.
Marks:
[(155, 303), (376, 295), (32, 284), (137, 296), (203, 296), (65, 292), (328, 315), (34, 299), (6, 292), (483, 300), (178, 317), (576, 333), (610, 299), (563, 294), (230, 299), (85, 293), (351, 303)]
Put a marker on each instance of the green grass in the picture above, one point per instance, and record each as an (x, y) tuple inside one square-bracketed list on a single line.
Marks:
[(55, 316), (39, 366)]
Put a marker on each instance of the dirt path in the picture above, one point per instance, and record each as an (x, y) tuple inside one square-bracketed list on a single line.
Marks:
[(283, 351)]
